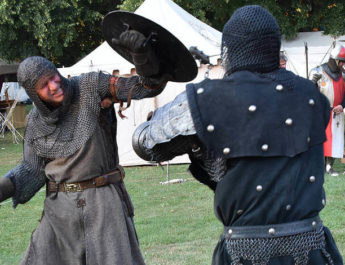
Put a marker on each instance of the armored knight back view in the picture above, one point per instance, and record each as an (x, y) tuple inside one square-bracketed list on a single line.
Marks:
[(255, 138)]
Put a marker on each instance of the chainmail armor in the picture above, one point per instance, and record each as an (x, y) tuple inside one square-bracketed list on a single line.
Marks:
[(125, 84), (72, 126), (251, 41), (216, 168), (60, 132), (260, 250), (28, 177)]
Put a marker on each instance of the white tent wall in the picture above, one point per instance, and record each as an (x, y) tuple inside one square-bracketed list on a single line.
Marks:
[(12, 89), (103, 58), (319, 47)]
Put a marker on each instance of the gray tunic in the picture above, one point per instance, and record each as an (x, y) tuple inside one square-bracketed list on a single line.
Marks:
[(88, 227), (94, 226)]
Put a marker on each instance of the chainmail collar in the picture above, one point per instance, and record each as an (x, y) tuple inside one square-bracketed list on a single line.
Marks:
[(43, 120), (251, 41), (332, 70), (61, 131)]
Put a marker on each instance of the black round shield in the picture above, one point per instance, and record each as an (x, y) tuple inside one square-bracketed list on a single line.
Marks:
[(175, 58)]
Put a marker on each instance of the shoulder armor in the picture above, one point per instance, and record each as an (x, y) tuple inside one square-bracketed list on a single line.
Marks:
[(251, 115)]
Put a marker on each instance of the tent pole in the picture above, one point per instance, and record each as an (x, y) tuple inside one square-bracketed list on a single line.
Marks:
[(306, 59), (155, 103)]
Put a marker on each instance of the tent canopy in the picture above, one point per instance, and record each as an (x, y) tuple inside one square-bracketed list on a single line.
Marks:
[(188, 29)]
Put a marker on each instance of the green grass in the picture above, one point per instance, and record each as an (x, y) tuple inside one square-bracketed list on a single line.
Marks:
[(175, 223)]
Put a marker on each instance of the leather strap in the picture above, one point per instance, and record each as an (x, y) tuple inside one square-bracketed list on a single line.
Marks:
[(113, 177), (274, 230)]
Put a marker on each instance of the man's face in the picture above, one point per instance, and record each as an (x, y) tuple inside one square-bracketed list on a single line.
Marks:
[(282, 63), (341, 65), (49, 90)]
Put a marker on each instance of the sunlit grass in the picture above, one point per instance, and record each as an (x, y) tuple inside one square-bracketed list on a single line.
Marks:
[(175, 223)]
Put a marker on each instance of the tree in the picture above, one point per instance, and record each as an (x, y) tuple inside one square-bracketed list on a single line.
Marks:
[(62, 31), (292, 15)]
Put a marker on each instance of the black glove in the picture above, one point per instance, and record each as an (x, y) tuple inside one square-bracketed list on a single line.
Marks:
[(316, 77), (144, 58), (6, 188)]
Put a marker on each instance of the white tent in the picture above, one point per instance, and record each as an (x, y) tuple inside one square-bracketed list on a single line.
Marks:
[(190, 31), (318, 50), (103, 58)]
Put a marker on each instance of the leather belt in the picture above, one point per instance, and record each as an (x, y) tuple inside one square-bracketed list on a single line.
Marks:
[(113, 177), (274, 230)]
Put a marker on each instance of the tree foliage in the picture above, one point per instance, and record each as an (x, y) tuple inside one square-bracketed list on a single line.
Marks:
[(292, 15), (62, 31)]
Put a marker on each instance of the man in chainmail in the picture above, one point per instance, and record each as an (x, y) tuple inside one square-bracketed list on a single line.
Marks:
[(70, 145), (329, 79), (255, 138)]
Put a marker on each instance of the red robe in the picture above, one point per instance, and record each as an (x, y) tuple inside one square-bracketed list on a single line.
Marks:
[(334, 90)]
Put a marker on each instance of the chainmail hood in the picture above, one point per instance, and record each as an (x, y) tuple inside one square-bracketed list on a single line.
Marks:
[(251, 41), (28, 74), (61, 131)]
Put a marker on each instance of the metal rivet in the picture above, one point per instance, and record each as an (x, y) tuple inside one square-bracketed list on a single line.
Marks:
[(259, 188), (279, 87), (264, 147), (200, 90), (210, 128), (312, 179), (288, 207), (226, 151), (196, 149), (323, 202), (239, 212), (288, 122), (311, 102), (313, 224), (230, 232), (308, 139), (252, 108), (271, 231)]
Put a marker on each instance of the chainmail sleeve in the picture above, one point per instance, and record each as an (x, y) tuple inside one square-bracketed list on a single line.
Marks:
[(134, 87), (28, 177)]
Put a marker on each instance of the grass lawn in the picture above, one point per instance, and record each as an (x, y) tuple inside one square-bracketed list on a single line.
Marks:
[(175, 223)]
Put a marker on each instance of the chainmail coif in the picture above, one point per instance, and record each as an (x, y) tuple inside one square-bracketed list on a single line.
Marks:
[(251, 41), (61, 131)]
